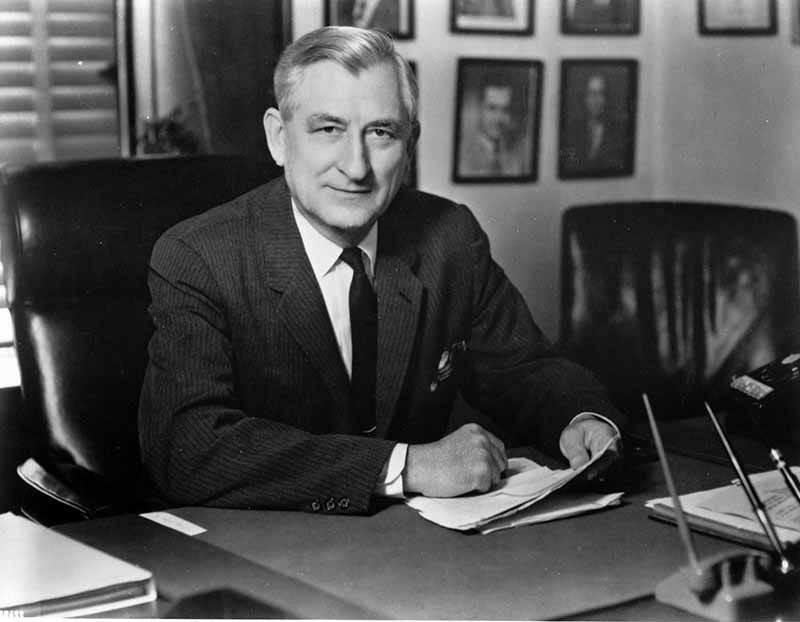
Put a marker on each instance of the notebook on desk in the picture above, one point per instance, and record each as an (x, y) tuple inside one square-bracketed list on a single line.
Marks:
[(45, 573), (725, 511)]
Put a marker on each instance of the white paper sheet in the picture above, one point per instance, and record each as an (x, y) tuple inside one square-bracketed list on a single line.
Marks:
[(777, 498), (555, 507)]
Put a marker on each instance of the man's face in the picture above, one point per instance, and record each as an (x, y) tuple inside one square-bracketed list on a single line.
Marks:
[(495, 118), (596, 96), (344, 148)]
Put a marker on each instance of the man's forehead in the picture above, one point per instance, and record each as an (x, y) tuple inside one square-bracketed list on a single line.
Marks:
[(327, 87), (498, 92), (597, 83)]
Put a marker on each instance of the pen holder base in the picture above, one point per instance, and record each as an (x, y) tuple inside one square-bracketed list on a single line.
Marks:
[(734, 586)]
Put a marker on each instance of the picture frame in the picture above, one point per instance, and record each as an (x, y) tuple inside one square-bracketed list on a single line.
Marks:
[(733, 17), (498, 112), (600, 17), (395, 17), (498, 17), (597, 119)]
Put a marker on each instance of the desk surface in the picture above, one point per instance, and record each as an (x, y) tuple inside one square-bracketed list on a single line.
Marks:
[(397, 565)]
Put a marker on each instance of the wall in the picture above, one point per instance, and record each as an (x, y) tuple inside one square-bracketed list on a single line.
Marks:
[(730, 123), (522, 220)]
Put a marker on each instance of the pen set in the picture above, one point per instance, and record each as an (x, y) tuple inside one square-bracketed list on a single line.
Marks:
[(739, 585)]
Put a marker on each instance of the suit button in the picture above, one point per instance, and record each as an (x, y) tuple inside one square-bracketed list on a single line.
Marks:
[(316, 506), (344, 503), (330, 504)]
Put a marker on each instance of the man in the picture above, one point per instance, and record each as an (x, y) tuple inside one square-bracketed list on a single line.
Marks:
[(594, 141), (257, 393), (492, 149)]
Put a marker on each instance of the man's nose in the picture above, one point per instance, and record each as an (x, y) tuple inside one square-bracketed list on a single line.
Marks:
[(354, 158)]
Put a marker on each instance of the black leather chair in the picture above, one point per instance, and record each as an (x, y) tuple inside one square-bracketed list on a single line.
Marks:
[(76, 241), (675, 298)]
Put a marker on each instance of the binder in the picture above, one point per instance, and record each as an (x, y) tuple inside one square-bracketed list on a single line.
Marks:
[(43, 573)]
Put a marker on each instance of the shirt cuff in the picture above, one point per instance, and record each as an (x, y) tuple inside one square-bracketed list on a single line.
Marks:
[(390, 482), (591, 415)]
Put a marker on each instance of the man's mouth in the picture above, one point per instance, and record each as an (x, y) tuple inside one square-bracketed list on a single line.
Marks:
[(351, 190)]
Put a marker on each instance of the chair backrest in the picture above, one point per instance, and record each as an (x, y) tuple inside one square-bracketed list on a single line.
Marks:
[(675, 298), (76, 242)]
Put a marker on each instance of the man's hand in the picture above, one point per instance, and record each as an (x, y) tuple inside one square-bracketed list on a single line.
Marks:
[(465, 460), (583, 439)]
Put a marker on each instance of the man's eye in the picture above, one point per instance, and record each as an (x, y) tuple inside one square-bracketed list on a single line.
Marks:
[(380, 132)]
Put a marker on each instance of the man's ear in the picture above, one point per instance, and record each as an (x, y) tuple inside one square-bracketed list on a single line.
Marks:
[(275, 131)]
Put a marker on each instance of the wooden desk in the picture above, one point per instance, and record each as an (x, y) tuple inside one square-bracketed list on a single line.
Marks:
[(396, 565)]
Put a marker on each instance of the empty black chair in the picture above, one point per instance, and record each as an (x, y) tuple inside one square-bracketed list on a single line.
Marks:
[(76, 241), (675, 298)]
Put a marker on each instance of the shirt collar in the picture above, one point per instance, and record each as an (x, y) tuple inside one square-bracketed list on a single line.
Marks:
[(323, 254)]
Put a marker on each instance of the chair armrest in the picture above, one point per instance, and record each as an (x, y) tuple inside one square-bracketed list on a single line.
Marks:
[(61, 492)]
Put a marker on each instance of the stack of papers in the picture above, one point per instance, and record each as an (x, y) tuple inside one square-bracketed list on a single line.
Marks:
[(726, 511), (509, 503)]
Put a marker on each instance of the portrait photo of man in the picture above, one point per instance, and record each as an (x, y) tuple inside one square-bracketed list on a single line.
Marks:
[(394, 17), (496, 125), (597, 125)]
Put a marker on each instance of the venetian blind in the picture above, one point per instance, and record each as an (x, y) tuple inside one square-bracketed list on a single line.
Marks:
[(58, 84)]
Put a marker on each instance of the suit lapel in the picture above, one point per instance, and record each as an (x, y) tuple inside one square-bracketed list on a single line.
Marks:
[(286, 269), (399, 300)]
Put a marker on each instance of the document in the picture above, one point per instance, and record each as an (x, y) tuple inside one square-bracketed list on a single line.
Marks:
[(726, 512), (44, 573), (525, 484)]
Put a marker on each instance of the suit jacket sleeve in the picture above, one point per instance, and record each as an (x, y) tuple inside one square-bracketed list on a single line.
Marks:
[(198, 445), (516, 375)]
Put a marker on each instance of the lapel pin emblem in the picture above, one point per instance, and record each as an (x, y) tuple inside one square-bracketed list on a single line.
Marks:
[(446, 363)]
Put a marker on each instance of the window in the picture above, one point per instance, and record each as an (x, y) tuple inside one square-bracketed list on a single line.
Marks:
[(58, 80), (58, 96)]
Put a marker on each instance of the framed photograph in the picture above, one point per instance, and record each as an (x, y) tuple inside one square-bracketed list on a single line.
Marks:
[(393, 16), (500, 17), (498, 106), (597, 121), (737, 17), (600, 17)]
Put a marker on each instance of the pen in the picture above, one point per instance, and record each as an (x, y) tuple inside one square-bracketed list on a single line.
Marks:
[(788, 476), (755, 501), (683, 527)]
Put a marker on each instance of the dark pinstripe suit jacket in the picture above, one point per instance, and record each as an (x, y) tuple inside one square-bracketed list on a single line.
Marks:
[(246, 400)]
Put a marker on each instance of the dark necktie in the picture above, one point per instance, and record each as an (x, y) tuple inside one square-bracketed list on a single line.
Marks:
[(364, 337)]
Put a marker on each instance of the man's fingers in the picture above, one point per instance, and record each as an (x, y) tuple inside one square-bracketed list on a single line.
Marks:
[(493, 445), (498, 450), (573, 446), (609, 458)]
